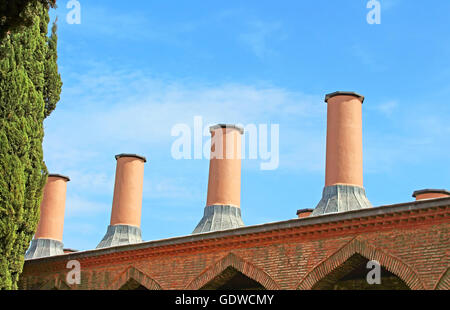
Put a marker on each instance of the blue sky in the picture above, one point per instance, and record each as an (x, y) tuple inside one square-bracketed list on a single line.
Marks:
[(131, 73)]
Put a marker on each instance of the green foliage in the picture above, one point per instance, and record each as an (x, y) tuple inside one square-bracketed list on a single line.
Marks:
[(53, 83), (29, 90), (16, 14)]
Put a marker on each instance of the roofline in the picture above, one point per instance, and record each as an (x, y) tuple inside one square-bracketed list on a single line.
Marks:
[(321, 219)]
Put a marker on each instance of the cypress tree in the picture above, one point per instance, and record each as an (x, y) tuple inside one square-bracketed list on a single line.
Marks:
[(16, 14), (30, 86)]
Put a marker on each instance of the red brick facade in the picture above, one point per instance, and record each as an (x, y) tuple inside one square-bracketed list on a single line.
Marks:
[(411, 241)]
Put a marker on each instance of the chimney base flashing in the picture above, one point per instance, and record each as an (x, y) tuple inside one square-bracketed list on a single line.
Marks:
[(117, 235), (219, 217), (44, 248), (342, 198)]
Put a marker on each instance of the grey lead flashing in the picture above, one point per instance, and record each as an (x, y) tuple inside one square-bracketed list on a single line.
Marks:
[(344, 93), (41, 248), (131, 155), (53, 175), (431, 191), (239, 128), (120, 235), (294, 223), (342, 198), (219, 217)]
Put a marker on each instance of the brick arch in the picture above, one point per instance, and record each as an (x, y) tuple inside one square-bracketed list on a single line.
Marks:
[(138, 276), (55, 283), (444, 281), (361, 247), (244, 267)]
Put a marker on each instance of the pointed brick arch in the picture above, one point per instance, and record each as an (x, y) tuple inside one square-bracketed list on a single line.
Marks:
[(138, 276), (361, 247), (231, 260), (444, 281), (55, 284)]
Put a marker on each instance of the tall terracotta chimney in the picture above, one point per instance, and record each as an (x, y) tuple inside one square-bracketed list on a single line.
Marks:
[(344, 189), (222, 209), (48, 237), (431, 194), (125, 222)]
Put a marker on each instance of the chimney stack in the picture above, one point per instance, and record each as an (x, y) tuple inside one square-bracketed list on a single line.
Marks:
[(222, 209), (344, 189), (125, 222), (303, 213), (48, 237), (431, 194)]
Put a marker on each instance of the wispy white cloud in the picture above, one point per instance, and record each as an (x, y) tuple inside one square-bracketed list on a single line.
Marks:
[(409, 134), (367, 58), (80, 206), (171, 188), (130, 25), (390, 4), (130, 111), (80, 228), (132, 108), (260, 37), (386, 108), (92, 182), (434, 124)]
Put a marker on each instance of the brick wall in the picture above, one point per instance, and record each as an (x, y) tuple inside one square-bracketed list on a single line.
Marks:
[(414, 246)]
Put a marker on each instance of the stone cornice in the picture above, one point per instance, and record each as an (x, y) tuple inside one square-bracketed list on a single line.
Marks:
[(338, 224)]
